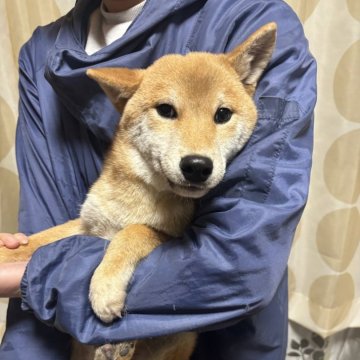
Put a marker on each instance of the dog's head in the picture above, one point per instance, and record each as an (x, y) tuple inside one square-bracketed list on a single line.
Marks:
[(187, 116)]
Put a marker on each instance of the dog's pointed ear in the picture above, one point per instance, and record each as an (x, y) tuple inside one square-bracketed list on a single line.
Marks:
[(251, 57), (119, 84)]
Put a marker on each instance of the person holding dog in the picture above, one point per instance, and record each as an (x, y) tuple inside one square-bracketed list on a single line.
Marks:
[(227, 276)]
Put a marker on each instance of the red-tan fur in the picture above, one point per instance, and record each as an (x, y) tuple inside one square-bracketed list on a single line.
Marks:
[(141, 198)]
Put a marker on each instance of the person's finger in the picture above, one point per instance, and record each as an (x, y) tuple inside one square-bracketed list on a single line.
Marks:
[(23, 239), (9, 240)]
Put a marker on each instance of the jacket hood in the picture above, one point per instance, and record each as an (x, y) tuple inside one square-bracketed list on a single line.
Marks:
[(67, 60)]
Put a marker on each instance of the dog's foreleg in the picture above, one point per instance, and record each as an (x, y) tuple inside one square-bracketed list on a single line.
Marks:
[(110, 280), (24, 252)]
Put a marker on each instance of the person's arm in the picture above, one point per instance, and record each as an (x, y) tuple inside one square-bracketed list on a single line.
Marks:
[(230, 262), (228, 265), (10, 277), (24, 333), (11, 274)]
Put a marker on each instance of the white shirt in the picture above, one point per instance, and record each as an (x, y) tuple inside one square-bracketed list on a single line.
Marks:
[(106, 27)]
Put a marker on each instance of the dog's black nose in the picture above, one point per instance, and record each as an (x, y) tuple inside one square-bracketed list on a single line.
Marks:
[(196, 169)]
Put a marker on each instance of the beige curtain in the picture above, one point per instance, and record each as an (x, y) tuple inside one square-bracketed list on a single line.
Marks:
[(325, 260)]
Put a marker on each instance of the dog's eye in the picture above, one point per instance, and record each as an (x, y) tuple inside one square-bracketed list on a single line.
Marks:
[(166, 111), (223, 115)]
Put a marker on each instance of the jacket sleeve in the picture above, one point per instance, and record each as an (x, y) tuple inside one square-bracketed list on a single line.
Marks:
[(231, 260), (24, 333), (41, 199)]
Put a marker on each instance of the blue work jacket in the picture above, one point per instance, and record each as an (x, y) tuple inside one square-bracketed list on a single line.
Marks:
[(226, 277)]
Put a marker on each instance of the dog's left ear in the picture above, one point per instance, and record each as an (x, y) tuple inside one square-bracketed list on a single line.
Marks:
[(119, 84), (251, 57)]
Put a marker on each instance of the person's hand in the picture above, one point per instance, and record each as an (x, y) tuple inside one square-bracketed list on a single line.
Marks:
[(11, 273), (13, 241), (10, 278)]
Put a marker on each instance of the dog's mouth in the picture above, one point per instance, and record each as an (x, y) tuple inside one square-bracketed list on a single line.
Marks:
[(187, 186), (188, 189)]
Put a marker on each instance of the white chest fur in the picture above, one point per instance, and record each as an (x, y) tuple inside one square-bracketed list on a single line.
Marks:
[(109, 207)]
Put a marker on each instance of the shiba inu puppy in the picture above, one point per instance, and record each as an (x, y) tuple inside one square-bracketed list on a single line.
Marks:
[(183, 119)]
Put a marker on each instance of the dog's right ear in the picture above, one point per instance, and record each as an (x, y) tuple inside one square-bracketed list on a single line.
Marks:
[(119, 84), (252, 56)]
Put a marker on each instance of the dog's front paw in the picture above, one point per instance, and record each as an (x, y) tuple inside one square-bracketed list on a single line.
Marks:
[(107, 295), (121, 351)]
